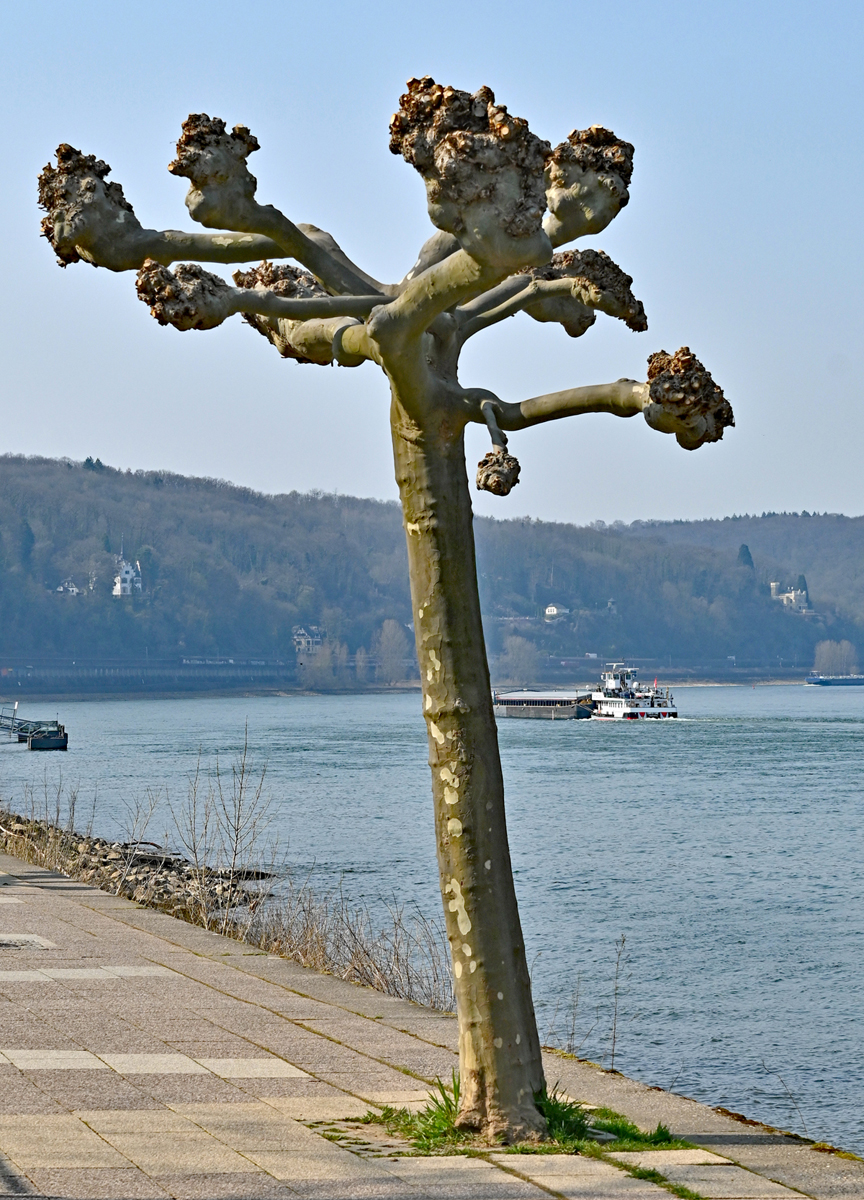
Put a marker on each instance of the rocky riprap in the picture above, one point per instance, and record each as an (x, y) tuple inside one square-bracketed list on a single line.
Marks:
[(140, 871)]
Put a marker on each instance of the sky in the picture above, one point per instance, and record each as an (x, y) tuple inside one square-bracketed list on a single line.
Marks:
[(743, 237)]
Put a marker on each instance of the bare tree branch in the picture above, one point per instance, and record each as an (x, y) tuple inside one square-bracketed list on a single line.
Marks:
[(483, 170), (327, 242), (295, 314), (587, 178), (91, 220), (222, 195), (566, 290), (191, 298), (679, 397)]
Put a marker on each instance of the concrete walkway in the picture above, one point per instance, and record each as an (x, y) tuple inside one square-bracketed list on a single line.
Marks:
[(142, 1057)]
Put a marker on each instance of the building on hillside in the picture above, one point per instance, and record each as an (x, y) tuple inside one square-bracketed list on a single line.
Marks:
[(307, 641), (554, 612), (127, 581), (68, 587), (796, 599), (612, 608)]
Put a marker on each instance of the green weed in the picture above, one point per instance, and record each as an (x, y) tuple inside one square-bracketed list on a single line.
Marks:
[(433, 1129)]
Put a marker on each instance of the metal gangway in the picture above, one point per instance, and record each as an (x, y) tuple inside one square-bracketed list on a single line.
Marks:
[(16, 726)]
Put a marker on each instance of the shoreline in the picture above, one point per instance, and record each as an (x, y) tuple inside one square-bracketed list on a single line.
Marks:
[(397, 689), (342, 1070), (167, 883)]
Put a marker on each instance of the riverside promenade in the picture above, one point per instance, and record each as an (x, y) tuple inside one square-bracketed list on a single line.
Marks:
[(142, 1057)]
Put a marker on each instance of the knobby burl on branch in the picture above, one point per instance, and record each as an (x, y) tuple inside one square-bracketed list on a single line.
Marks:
[(489, 182)]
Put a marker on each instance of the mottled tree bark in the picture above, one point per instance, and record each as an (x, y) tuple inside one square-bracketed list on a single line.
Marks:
[(499, 1049)]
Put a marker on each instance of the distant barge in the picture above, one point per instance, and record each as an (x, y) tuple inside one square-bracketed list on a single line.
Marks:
[(835, 680), (618, 697), (551, 706)]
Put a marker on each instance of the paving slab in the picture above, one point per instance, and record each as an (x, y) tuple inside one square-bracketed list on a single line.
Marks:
[(142, 1057)]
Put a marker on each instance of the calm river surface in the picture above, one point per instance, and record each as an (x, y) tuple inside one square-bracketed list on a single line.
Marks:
[(726, 846)]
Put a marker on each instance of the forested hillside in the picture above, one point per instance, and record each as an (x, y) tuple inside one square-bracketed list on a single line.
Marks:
[(228, 571), (828, 549)]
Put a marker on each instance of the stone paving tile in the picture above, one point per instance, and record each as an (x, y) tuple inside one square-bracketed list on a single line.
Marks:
[(155, 1120), (266, 1089), (556, 1164), (53, 1060), (58, 1142), (333, 1107), (253, 1068), (324, 1170), (18, 1094), (104, 1183), (256, 1128), (87, 1089), (658, 1160), (574, 1176), (725, 1182), (411, 1098), (368, 1083), (460, 1179), (28, 1033), (189, 1089), (242, 1186), (153, 1064), (188, 1152)]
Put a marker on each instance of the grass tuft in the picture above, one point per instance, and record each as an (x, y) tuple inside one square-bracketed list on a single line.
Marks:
[(433, 1129), (566, 1120), (677, 1189)]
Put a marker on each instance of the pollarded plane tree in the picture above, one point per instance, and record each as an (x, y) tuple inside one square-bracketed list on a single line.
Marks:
[(489, 181)]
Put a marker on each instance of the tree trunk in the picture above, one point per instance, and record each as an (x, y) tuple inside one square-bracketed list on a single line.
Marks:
[(499, 1050)]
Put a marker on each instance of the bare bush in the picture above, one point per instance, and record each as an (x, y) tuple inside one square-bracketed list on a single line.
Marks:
[(520, 662), (231, 877), (836, 658)]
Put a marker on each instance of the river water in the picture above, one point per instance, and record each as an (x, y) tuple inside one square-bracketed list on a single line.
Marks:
[(725, 847)]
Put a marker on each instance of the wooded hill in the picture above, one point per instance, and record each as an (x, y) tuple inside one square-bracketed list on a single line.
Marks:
[(228, 571)]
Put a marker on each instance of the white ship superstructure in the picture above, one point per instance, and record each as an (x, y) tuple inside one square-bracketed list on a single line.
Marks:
[(620, 697)]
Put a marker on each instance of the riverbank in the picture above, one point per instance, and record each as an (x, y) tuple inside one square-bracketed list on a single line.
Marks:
[(247, 692), (737, 841), (142, 1056)]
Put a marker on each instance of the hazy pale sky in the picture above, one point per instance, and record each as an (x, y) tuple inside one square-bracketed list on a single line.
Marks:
[(743, 236)]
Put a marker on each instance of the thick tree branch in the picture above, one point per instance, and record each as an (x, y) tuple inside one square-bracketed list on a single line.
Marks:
[(566, 290), (222, 194), (91, 220), (624, 398), (679, 397), (192, 298), (327, 242), (587, 181)]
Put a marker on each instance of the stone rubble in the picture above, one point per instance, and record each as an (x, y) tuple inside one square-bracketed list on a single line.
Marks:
[(139, 871)]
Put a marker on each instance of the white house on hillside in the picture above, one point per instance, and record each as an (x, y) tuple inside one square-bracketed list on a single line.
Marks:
[(795, 599), (307, 641), (127, 581), (554, 612)]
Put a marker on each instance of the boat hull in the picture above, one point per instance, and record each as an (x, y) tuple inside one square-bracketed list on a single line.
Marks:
[(635, 716), (835, 681), (51, 741), (558, 712)]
